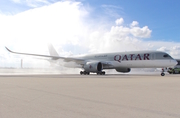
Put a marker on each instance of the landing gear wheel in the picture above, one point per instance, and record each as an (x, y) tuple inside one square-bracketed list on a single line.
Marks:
[(84, 73), (101, 73), (162, 74)]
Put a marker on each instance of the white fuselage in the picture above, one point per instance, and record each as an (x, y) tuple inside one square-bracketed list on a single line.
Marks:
[(136, 59)]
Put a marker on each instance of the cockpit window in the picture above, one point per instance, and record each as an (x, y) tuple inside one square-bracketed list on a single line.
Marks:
[(166, 55)]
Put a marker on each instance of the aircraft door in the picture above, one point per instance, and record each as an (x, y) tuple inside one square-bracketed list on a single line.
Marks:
[(153, 56)]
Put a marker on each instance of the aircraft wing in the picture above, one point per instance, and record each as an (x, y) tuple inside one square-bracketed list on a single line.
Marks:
[(66, 59)]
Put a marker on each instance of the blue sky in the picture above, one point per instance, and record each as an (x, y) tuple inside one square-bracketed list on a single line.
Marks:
[(162, 16)]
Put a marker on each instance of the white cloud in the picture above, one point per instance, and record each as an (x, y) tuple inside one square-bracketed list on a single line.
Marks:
[(170, 47), (176, 48), (112, 6), (16, 1), (134, 23), (112, 10), (119, 21), (32, 3), (175, 51), (164, 49), (60, 23), (144, 32)]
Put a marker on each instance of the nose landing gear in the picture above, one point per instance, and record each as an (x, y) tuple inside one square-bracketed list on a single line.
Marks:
[(163, 70), (162, 74)]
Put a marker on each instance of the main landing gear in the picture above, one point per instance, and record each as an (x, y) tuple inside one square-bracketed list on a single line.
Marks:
[(87, 73), (84, 73), (101, 73)]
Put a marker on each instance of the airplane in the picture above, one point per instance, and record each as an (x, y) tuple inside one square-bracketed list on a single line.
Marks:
[(120, 61)]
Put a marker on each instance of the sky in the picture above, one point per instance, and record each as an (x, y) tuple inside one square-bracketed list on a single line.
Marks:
[(78, 27)]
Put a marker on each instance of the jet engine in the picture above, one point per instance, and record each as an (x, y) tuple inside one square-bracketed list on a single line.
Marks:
[(123, 70), (93, 67)]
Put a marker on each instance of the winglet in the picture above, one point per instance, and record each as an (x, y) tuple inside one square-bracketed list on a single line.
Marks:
[(8, 49)]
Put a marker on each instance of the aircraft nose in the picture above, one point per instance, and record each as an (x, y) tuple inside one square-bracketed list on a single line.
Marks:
[(174, 62)]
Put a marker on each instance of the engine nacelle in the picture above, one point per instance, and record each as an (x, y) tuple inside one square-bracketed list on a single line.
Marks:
[(93, 67), (123, 70)]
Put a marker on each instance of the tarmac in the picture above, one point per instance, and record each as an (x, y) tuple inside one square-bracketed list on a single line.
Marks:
[(90, 96)]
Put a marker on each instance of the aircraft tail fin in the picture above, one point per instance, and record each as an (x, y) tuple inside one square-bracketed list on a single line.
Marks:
[(52, 51)]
